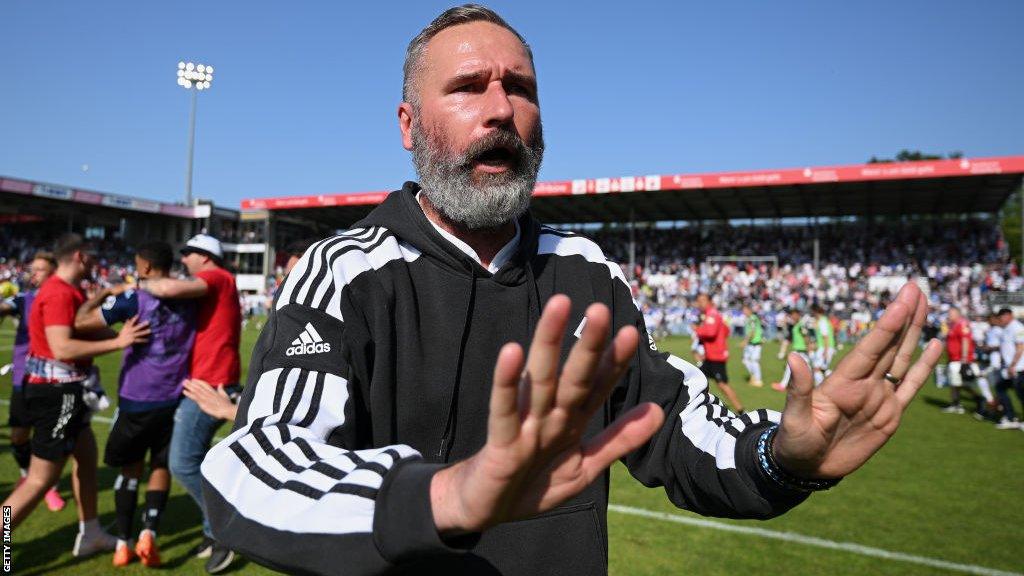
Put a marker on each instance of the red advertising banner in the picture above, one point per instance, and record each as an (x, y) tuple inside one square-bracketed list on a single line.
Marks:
[(651, 183)]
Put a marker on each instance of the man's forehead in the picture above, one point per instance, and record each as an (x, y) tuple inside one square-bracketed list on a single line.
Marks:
[(468, 47)]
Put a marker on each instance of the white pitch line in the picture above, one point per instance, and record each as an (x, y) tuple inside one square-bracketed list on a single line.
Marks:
[(812, 541), (106, 420)]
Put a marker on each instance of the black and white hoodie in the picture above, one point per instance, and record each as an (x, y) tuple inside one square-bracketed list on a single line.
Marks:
[(375, 370)]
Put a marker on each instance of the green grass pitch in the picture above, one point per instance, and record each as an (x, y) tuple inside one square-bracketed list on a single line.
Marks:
[(946, 487)]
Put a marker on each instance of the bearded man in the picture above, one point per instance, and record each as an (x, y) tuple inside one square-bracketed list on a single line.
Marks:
[(368, 439)]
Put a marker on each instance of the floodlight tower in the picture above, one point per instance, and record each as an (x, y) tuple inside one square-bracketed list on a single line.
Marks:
[(194, 78)]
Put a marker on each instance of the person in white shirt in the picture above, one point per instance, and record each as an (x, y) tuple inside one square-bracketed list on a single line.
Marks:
[(992, 366), (1011, 348)]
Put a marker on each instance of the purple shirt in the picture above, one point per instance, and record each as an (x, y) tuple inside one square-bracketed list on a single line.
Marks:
[(22, 303), (152, 373)]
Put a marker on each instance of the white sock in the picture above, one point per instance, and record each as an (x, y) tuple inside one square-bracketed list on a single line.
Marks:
[(985, 390), (24, 473), (87, 526)]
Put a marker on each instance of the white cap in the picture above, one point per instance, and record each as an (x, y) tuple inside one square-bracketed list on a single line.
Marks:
[(203, 243)]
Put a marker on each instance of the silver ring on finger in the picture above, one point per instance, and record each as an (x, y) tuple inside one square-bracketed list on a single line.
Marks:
[(895, 381)]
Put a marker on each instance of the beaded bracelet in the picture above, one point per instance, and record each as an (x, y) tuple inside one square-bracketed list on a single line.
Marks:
[(767, 460)]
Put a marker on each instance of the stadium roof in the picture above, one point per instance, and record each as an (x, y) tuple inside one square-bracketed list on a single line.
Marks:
[(967, 185), (46, 191)]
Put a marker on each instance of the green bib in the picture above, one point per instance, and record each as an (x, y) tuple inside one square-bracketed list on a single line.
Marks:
[(754, 329)]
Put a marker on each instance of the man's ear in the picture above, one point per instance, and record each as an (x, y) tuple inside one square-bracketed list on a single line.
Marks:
[(405, 119)]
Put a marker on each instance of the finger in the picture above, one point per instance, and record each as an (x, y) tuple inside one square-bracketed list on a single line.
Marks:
[(867, 354), (577, 380), (918, 373), (908, 344), (503, 421), (910, 296), (614, 363), (545, 352), (798, 413), (629, 432)]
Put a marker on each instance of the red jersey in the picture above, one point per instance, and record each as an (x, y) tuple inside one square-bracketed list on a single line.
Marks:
[(958, 333), (218, 330), (714, 334), (55, 305)]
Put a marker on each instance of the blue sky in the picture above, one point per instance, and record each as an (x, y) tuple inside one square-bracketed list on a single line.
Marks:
[(305, 93)]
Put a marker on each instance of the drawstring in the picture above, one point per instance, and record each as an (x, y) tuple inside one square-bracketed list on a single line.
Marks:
[(533, 295), (534, 298), (445, 448)]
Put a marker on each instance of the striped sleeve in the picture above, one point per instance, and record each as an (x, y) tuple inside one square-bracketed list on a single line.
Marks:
[(704, 455), (294, 486)]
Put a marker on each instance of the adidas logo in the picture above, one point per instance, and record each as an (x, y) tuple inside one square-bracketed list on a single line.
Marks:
[(308, 342)]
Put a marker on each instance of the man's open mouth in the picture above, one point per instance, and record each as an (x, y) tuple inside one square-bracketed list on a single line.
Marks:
[(497, 157)]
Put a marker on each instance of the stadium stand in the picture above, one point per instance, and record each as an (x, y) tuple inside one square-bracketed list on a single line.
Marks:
[(841, 236)]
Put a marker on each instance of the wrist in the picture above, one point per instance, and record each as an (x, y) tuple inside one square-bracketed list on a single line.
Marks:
[(441, 501), (782, 471)]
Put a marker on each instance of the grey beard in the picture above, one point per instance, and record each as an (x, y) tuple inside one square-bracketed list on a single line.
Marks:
[(447, 180)]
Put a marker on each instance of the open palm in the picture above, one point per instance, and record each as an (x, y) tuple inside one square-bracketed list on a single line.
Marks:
[(830, 431), (535, 456)]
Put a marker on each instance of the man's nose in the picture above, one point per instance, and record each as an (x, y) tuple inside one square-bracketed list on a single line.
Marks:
[(497, 108)]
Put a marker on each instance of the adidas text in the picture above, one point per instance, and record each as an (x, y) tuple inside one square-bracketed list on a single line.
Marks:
[(308, 342), (308, 349)]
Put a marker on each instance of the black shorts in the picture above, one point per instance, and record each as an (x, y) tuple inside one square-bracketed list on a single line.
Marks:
[(57, 415), (133, 434), (714, 371), (19, 411)]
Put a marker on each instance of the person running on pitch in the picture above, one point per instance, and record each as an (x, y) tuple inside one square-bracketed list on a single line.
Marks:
[(149, 391), (753, 337), (713, 333), (20, 306), (58, 368)]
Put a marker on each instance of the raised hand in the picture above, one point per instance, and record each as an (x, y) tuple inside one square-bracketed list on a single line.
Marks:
[(830, 431), (534, 457), (213, 401)]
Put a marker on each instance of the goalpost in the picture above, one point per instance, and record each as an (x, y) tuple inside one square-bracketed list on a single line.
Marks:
[(745, 259)]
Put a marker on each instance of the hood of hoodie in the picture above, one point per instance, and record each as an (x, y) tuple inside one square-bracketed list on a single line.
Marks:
[(401, 214)]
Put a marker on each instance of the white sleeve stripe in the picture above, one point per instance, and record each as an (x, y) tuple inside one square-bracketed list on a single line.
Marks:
[(321, 271), (319, 488), (331, 257), (707, 424), (351, 264), (553, 242), (300, 270), (309, 266), (280, 466)]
